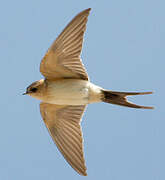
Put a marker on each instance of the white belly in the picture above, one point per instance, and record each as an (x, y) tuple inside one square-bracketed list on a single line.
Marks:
[(70, 92)]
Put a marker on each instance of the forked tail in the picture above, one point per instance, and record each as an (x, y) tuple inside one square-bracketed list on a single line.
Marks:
[(119, 98)]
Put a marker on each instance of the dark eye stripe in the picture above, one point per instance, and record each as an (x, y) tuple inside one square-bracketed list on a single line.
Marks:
[(33, 89)]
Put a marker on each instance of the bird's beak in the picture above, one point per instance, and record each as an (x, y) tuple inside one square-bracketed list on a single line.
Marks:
[(24, 93)]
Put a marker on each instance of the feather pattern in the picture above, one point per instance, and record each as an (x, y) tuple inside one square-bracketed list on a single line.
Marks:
[(63, 58), (63, 123)]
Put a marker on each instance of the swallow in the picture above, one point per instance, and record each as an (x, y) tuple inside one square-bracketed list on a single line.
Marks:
[(66, 91)]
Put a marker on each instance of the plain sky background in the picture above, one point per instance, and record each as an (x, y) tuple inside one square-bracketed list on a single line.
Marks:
[(124, 50)]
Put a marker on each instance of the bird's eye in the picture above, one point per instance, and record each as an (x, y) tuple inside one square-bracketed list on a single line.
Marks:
[(33, 89)]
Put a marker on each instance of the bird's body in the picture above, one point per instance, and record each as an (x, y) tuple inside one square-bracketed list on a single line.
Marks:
[(66, 90)]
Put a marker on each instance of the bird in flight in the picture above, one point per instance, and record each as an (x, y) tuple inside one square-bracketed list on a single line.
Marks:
[(66, 91)]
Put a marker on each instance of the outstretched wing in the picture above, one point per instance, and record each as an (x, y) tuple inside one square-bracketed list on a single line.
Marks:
[(63, 123), (63, 58)]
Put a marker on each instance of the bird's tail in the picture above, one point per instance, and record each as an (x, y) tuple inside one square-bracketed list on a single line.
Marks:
[(119, 98)]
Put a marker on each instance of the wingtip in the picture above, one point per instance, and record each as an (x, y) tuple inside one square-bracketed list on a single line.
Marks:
[(87, 10), (84, 173)]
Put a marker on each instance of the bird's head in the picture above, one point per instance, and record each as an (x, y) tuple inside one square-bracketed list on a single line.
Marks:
[(35, 89)]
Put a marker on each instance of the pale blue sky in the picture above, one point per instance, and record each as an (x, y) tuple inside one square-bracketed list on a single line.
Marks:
[(124, 50)]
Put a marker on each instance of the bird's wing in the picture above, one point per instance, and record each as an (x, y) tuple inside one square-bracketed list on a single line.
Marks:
[(63, 123), (63, 58)]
